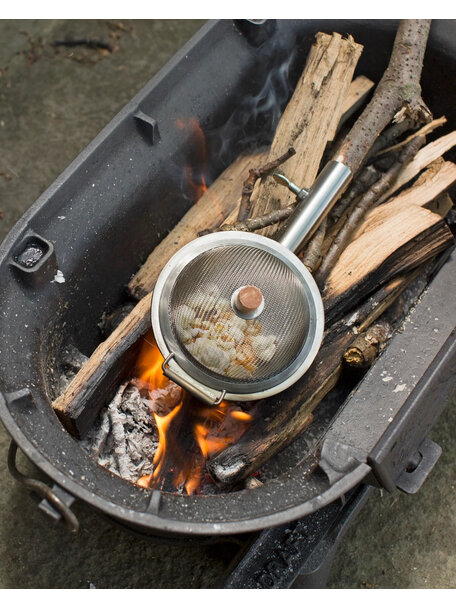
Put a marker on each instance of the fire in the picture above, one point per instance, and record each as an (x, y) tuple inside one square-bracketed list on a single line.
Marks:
[(194, 174), (189, 432)]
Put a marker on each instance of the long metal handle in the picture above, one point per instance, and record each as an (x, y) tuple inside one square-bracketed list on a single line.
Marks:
[(327, 188)]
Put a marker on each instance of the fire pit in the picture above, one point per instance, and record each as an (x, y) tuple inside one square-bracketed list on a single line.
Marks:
[(72, 279)]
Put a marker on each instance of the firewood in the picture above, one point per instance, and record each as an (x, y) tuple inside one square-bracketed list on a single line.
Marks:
[(362, 353), (399, 242), (211, 209), (365, 202), (310, 119), (435, 180), (422, 159), (428, 128), (358, 90), (96, 383), (282, 418), (254, 176)]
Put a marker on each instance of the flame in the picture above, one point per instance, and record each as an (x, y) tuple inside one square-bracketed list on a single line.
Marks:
[(205, 431), (194, 174), (149, 364)]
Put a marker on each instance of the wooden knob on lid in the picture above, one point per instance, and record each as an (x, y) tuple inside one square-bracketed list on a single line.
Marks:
[(248, 300)]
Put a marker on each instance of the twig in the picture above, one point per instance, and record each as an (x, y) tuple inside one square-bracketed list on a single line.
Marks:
[(364, 180), (256, 223), (362, 353), (434, 124), (254, 176), (397, 96), (390, 135), (366, 202)]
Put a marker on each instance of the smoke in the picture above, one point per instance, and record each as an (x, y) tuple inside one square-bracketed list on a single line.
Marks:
[(254, 120)]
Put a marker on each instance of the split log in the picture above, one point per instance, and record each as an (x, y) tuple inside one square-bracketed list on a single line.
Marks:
[(422, 159), (310, 119), (97, 381), (399, 242), (357, 92), (210, 210), (433, 182)]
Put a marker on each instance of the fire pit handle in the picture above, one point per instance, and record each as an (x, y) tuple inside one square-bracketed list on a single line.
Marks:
[(42, 489)]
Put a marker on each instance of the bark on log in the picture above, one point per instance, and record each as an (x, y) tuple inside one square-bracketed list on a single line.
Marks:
[(397, 95), (364, 350), (399, 242)]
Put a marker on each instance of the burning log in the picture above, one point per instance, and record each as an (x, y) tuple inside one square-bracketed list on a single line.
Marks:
[(286, 415)]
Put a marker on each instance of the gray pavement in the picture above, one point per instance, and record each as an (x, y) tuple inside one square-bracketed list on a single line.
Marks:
[(52, 103)]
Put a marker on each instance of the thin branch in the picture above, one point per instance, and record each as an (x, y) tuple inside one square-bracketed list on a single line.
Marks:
[(254, 176), (434, 124), (256, 223)]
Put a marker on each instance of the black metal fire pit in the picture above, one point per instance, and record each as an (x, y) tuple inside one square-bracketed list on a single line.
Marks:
[(57, 277)]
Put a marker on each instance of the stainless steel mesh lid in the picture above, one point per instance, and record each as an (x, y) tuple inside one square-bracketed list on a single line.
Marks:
[(196, 316)]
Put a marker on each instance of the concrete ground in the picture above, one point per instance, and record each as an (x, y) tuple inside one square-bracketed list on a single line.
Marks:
[(52, 103)]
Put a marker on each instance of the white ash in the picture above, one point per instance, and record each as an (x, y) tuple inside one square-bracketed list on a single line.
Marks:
[(124, 438), (71, 361)]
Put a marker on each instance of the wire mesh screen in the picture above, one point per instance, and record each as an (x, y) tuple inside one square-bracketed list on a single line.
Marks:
[(209, 331)]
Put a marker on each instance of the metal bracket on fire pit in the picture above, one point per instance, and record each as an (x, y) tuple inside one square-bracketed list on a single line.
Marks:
[(150, 126), (44, 491)]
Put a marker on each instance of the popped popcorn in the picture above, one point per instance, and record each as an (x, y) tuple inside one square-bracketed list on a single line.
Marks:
[(219, 339)]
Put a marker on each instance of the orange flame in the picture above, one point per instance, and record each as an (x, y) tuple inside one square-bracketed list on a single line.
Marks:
[(195, 175), (210, 430), (149, 365)]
